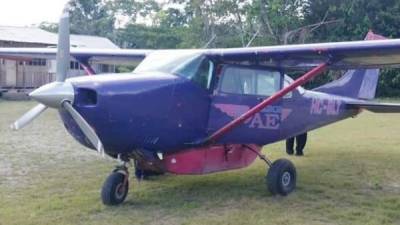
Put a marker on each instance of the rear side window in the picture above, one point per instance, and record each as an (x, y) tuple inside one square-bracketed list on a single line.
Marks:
[(250, 81)]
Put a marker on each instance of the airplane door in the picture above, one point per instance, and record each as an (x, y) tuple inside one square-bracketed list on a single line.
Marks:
[(191, 99), (239, 89)]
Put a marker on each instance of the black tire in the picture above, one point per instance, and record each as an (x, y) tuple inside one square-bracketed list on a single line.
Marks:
[(115, 189), (281, 177)]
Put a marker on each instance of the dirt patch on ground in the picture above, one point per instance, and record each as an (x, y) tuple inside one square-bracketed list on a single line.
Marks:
[(43, 145)]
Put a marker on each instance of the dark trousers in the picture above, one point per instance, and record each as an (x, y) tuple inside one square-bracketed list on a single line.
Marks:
[(301, 141)]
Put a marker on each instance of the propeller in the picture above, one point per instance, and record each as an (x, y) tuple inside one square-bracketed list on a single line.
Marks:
[(85, 127), (60, 94), (28, 117)]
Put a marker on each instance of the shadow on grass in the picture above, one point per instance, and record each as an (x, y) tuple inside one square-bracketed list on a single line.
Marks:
[(195, 191)]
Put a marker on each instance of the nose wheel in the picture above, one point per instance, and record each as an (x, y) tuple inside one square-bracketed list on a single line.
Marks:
[(116, 187)]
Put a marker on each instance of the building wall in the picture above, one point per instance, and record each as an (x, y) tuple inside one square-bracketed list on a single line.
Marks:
[(20, 74), (7, 73), (35, 73)]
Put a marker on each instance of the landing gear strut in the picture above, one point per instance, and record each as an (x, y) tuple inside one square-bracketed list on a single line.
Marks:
[(281, 176), (142, 173), (116, 187)]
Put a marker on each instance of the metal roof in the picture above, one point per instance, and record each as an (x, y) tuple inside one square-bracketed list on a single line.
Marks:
[(39, 36), (85, 41), (27, 35)]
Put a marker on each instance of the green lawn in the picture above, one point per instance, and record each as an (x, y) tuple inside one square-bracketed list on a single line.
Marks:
[(350, 175)]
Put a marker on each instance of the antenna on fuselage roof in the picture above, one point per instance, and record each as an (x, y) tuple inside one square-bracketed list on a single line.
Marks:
[(210, 41)]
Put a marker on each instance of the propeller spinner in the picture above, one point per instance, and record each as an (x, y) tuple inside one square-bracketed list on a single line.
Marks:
[(60, 94)]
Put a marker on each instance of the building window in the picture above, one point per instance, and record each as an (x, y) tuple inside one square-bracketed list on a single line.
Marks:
[(37, 62), (74, 65), (104, 68)]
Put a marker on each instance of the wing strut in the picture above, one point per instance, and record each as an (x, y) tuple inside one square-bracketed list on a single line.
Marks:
[(278, 95), (84, 62)]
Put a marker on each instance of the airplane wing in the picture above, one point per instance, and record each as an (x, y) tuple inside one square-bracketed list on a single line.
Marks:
[(375, 107), (341, 55), (107, 56)]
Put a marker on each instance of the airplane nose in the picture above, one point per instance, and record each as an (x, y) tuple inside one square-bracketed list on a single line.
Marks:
[(54, 94)]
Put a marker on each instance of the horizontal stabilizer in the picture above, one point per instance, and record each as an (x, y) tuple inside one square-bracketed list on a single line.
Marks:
[(376, 107)]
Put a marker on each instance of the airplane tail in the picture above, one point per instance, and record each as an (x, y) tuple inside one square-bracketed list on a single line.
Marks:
[(360, 83)]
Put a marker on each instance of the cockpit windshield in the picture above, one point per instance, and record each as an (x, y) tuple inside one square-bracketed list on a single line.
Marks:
[(166, 61), (190, 64)]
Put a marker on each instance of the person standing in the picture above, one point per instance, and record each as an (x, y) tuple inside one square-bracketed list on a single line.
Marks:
[(301, 141)]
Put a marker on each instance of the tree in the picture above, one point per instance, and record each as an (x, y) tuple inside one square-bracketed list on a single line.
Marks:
[(359, 16), (133, 10), (237, 23), (51, 27), (92, 17), (142, 36)]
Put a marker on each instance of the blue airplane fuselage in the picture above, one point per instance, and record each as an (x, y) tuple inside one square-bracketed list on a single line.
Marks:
[(160, 112)]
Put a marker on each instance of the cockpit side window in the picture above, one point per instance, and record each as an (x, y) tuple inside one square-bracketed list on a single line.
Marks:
[(287, 81), (189, 64), (200, 71), (250, 81)]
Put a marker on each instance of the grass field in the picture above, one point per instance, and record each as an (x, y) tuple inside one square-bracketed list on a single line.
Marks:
[(350, 175)]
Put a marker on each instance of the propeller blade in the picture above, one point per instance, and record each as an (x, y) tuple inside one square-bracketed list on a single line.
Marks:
[(63, 47), (85, 127), (28, 117)]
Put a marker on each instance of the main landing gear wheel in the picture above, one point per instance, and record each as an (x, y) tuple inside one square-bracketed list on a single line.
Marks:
[(116, 187), (281, 177)]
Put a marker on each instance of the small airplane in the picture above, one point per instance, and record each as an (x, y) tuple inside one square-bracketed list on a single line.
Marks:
[(206, 110)]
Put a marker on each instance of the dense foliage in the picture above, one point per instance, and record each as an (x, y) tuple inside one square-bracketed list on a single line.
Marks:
[(238, 23)]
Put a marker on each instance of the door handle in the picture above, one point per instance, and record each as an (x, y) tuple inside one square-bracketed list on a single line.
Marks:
[(260, 99)]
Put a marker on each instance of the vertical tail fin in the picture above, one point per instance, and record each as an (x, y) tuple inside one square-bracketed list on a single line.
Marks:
[(360, 83)]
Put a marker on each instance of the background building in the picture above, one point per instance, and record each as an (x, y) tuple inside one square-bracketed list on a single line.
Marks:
[(25, 75)]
